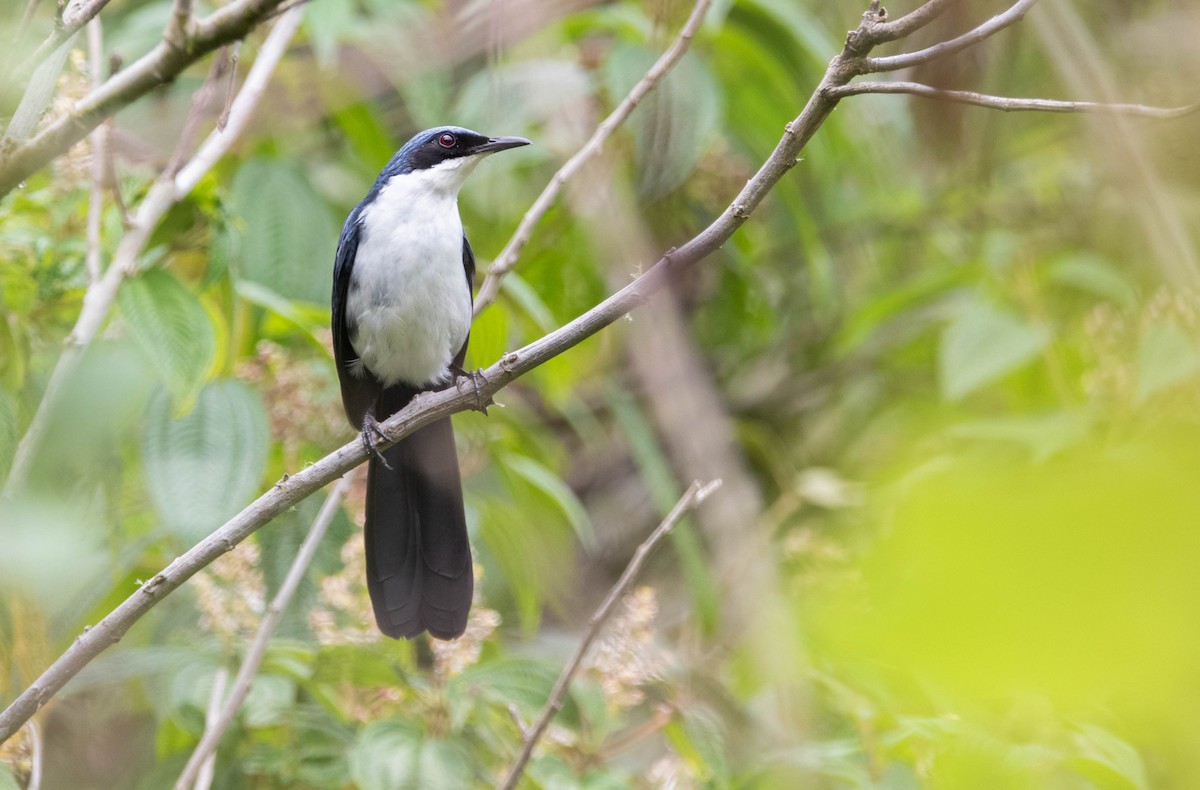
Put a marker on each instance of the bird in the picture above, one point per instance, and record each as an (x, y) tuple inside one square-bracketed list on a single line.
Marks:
[(402, 305)]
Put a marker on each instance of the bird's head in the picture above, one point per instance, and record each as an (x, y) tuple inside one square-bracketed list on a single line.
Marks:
[(445, 155)]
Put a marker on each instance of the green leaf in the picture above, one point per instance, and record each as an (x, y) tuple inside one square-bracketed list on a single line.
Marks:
[(290, 239), (305, 316), (444, 764), (1095, 276), (519, 681), (1045, 435), (7, 780), (982, 344), (674, 123), (1165, 357), (489, 338), (550, 484), (270, 698), (171, 326), (386, 756), (202, 468), (1103, 754)]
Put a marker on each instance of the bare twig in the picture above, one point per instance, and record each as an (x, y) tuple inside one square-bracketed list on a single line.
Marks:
[(695, 494), (507, 259), (37, 754), (989, 28), (166, 191), (157, 67), (99, 140), (201, 100), (219, 722), (910, 22), (204, 775), (1010, 104), (74, 17)]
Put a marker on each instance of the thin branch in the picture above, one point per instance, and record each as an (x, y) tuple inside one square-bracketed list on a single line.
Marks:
[(507, 259), (910, 23), (695, 494), (74, 17), (167, 190), (989, 28), (99, 140), (431, 406), (157, 67), (204, 776), (37, 756), (1011, 104), (201, 100), (218, 723)]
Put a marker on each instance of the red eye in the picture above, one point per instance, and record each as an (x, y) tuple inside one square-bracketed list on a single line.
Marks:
[(447, 140)]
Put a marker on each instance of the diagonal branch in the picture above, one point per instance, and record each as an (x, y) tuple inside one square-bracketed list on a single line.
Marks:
[(429, 407), (972, 37), (1011, 104), (74, 17), (168, 189), (691, 499), (507, 259), (157, 67), (219, 722)]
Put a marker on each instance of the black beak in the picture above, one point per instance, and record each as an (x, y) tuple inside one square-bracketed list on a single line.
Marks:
[(499, 144)]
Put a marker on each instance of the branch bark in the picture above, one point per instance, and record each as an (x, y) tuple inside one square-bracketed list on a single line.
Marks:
[(168, 189), (222, 716), (691, 499), (158, 67), (507, 259), (988, 29), (1007, 104)]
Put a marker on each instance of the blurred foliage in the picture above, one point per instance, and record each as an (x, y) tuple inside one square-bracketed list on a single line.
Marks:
[(957, 352)]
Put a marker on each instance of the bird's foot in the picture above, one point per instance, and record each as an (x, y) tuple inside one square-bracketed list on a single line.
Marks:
[(370, 431), (476, 376)]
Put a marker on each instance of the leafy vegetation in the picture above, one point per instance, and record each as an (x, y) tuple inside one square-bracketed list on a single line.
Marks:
[(948, 371)]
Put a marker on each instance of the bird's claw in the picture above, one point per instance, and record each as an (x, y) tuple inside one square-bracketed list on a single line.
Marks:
[(371, 426), (476, 376)]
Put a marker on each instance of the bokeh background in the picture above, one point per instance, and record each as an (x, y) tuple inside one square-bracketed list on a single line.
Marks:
[(947, 372)]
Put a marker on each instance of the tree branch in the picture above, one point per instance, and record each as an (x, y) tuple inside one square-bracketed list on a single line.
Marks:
[(908, 24), (695, 494), (431, 406), (989, 28), (507, 259), (218, 723), (167, 190), (1010, 104), (74, 17), (99, 141), (158, 67)]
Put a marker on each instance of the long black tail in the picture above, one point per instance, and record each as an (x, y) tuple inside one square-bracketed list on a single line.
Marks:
[(418, 558)]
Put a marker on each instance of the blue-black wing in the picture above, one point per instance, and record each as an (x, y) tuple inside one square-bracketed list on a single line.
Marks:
[(469, 269), (358, 392)]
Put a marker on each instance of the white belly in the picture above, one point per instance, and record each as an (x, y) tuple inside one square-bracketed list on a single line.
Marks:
[(408, 291)]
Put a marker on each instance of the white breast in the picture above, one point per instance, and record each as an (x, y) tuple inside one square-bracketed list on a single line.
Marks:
[(408, 292)]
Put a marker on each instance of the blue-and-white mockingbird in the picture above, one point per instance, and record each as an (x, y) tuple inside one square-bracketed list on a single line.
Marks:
[(402, 306)]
